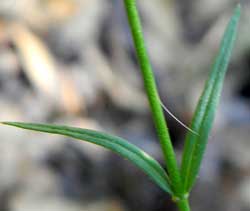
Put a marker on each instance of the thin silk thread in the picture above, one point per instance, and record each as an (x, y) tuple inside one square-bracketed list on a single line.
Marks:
[(176, 119)]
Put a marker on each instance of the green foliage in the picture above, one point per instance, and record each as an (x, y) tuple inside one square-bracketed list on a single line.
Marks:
[(116, 144), (177, 182), (206, 108)]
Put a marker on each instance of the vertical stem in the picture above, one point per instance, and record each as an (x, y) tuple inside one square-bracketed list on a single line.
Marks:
[(183, 205), (153, 97)]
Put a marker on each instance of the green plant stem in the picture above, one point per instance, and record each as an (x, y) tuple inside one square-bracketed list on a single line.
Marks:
[(153, 97), (183, 205)]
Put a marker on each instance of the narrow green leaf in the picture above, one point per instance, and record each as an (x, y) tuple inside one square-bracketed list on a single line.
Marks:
[(116, 144), (205, 111)]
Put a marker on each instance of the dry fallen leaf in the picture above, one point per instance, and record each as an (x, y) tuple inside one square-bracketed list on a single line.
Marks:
[(38, 63), (71, 100), (41, 69), (120, 91)]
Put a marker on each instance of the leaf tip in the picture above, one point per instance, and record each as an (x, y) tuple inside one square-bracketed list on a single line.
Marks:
[(238, 9), (5, 123), (9, 123)]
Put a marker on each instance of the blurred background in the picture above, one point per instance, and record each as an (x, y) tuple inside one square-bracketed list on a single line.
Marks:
[(73, 62)]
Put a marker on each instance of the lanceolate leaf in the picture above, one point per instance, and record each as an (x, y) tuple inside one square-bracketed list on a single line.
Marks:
[(116, 144), (205, 111)]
